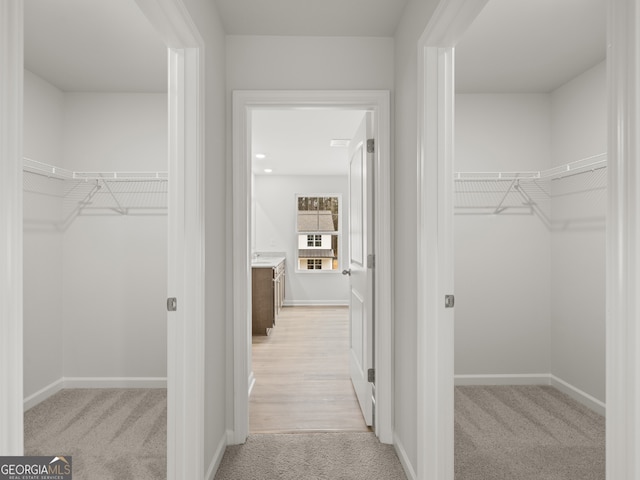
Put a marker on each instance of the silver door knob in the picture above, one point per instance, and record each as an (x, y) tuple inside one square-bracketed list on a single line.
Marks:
[(346, 272)]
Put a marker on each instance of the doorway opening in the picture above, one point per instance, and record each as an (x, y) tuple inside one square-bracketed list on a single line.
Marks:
[(300, 306), (95, 262), (530, 206), (245, 104), (185, 412), (472, 199)]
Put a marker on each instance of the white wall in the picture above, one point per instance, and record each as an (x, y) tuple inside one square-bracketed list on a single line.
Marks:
[(217, 211), (579, 208), (414, 21), (502, 262), (42, 265), (275, 224), (531, 298), (299, 63), (114, 266), (94, 292)]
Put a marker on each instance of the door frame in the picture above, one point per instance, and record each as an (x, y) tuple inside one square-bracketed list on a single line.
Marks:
[(436, 130), (186, 230), (11, 219), (239, 331), (185, 349)]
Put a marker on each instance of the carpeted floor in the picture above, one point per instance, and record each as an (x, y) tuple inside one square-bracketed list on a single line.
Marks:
[(526, 433), (311, 456), (111, 434), (501, 433)]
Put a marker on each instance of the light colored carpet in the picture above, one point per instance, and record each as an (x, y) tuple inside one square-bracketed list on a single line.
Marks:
[(111, 434), (526, 433), (311, 456), (501, 433)]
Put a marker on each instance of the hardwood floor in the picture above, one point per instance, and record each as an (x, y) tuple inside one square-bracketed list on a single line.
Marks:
[(302, 374)]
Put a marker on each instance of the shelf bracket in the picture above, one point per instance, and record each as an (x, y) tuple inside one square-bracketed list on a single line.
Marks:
[(120, 210), (500, 208)]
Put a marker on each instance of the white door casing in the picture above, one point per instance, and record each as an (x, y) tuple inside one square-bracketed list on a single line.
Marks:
[(244, 102), (11, 218), (623, 242), (186, 246), (435, 236), (360, 275)]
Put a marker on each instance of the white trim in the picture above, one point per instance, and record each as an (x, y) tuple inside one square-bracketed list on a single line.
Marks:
[(186, 326), (623, 242), (185, 359), (404, 458), (243, 103), (316, 303), (92, 382), (11, 218), (217, 458), (42, 394), (504, 379), (435, 336), (584, 398), (114, 382)]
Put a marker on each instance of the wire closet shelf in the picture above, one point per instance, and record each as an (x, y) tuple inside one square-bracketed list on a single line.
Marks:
[(98, 193), (526, 192)]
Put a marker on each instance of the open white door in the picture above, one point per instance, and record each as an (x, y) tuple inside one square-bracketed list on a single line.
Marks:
[(359, 271)]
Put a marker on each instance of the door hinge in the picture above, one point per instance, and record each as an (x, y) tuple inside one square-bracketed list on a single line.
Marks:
[(172, 304), (371, 260), (371, 375), (371, 145), (449, 301)]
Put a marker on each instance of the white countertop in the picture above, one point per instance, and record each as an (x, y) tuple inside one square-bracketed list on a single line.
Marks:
[(266, 262)]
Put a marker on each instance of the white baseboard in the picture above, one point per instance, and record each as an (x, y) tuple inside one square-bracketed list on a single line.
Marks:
[(217, 458), (503, 379), (584, 398), (535, 379), (115, 382), (42, 394), (92, 382), (404, 458), (316, 303)]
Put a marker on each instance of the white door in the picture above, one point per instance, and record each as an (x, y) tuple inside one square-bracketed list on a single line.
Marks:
[(361, 277)]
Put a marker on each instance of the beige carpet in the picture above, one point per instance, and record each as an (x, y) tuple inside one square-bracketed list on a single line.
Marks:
[(311, 456), (111, 434), (501, 433), (526, 433)]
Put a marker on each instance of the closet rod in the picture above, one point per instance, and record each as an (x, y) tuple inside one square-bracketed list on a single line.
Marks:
[(495, 176), (41, 168), (588, 164)]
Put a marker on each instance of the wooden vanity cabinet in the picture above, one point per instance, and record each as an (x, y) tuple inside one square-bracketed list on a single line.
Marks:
[(267, 298)]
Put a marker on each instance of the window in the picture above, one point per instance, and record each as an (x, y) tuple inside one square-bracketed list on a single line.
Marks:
[(318, 232), (314, 240), (314, 264)]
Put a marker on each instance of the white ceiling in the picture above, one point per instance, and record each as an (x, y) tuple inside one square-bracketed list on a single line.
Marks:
[(531, 46), (94, 45), (514, 46), (366, 18), (296, 142)]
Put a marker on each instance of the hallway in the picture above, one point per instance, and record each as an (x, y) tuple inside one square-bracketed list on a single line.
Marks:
[(302, 374)]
